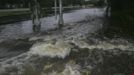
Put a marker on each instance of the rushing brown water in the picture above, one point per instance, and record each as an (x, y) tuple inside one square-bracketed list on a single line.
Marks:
[(76, 49)]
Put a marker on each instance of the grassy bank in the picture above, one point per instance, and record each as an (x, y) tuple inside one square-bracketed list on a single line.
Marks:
[(8, 16)]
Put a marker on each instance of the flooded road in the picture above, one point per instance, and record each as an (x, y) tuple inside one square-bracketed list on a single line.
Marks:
[(76, 49), (21, 29)]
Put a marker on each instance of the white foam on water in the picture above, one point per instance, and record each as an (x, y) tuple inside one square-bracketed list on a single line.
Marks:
[(13, 66), (60, 49), (69, 70), (13, 69), (104, 45)]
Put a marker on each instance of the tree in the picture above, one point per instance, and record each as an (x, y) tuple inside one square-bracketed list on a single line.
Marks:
[(61, 22), (35, 15)]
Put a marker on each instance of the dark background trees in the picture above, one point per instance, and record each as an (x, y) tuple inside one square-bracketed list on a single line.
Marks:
[(122, 16), (44, 3)]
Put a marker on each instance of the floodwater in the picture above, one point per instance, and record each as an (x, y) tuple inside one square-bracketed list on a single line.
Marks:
[(20, 29), (76, 49)]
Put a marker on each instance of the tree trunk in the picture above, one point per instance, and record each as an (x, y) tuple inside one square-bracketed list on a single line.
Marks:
[(55, 9), (35, 15), (61, 22)]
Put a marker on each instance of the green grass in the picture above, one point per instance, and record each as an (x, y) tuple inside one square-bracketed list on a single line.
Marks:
[(13, 13)]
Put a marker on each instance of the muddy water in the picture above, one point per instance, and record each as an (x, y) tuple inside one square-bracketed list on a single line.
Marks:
[(54, 59), (76, 49)]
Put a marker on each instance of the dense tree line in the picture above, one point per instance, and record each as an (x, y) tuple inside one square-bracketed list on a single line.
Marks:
[(122, 15), (43, 3)]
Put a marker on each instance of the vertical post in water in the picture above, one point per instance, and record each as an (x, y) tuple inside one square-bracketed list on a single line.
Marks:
[(61, 22), (55, 3), (36, 15)]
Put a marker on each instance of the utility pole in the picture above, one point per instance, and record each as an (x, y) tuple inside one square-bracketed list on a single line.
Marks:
[(61, 21)]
